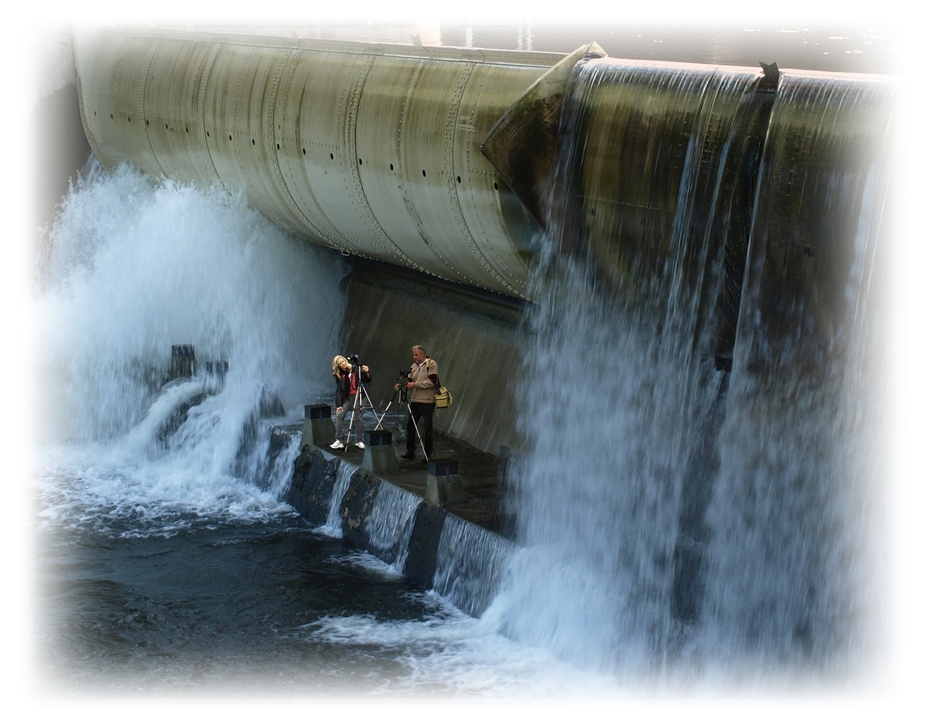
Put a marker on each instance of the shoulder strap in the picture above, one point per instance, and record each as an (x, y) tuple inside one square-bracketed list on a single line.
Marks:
[(428, 365)]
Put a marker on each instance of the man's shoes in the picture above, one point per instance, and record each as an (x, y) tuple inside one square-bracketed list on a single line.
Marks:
[(337, 445), (361, 446), (408, 456)]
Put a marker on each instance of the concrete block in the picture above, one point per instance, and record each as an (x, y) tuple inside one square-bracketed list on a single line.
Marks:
[(317, 427), (421, 563), (379, 456), (443, 483), (358, 502), (313, 482), (182, 361)]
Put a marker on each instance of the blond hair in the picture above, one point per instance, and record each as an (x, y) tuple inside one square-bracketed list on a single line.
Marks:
[(335, 366)]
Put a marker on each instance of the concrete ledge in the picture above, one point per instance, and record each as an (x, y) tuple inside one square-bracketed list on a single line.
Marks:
[(465, 569), (356, 505), (313, 481), (421, 565)]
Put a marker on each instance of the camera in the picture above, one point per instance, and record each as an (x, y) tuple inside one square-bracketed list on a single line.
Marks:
[(403, 377), (354, 359)]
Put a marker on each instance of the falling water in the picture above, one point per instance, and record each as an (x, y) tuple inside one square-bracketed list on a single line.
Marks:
[(681, 521), (134, 266), (795, 514), (389, 524), (333, 526), (470, 563), (168, 561)]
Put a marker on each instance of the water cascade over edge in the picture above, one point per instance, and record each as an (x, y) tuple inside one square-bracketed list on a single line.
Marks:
[(135, 266), (683, 514)]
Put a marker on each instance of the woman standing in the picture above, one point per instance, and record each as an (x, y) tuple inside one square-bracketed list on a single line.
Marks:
[(348, 387)]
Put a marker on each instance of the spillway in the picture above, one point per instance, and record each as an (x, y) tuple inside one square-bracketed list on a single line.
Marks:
[(654, 286)]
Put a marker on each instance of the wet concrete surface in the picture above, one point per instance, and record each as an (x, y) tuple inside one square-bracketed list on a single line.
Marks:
[(483, 477)]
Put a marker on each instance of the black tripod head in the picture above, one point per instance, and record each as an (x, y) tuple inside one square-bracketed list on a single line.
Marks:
[(402, 380)]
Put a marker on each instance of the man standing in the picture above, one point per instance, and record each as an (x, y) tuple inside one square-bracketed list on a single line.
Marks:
[(423, 383)]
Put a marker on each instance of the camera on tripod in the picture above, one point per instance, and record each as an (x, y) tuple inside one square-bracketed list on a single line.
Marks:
[(402, 386), (354, 360)]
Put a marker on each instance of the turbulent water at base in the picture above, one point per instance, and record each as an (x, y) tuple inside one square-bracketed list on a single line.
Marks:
[(786, 576), (621, 394), (167, 562)]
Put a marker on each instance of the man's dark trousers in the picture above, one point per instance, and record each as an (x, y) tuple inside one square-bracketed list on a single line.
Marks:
[(421, 413)]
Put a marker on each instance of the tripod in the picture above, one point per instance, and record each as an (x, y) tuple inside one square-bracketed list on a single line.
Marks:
[(402, 392), (358, 407)]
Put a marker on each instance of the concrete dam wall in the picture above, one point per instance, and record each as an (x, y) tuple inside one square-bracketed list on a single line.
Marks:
[(444, 168)]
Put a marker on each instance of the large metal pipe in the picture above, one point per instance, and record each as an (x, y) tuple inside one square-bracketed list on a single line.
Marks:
[(370, 149)]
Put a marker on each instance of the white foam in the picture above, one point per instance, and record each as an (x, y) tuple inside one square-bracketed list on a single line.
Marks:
[(132, 267), (449, 651), (369, 563)]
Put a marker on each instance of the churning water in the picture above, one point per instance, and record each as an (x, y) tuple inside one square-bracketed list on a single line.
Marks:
[(680, 521), (167, 562)]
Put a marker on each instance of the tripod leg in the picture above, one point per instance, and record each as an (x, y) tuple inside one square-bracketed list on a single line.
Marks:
[(387, 407), (378, 419), (381, 419), (417, 432), (353, 419)]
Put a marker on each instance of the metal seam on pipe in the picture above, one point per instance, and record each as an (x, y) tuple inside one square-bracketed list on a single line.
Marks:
[(449, 146), (203, 144), (283, 186), (409, 203), (141, 93), (353, 155), (320, 95), (332, 239)]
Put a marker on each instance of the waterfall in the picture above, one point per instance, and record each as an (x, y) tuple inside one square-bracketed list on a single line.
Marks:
[(693, 496), (133, 266), (279, 475), (334, 525), (699, 393), (794, 514), (389, 524), (470, 564)]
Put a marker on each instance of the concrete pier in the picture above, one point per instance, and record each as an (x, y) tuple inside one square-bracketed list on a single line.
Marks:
[(472, 509), (443, 485), (379, 456), (317, 427), (182, 361), (482, 478)]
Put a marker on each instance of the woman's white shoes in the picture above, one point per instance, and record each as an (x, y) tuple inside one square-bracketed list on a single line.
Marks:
[(338, 445)]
